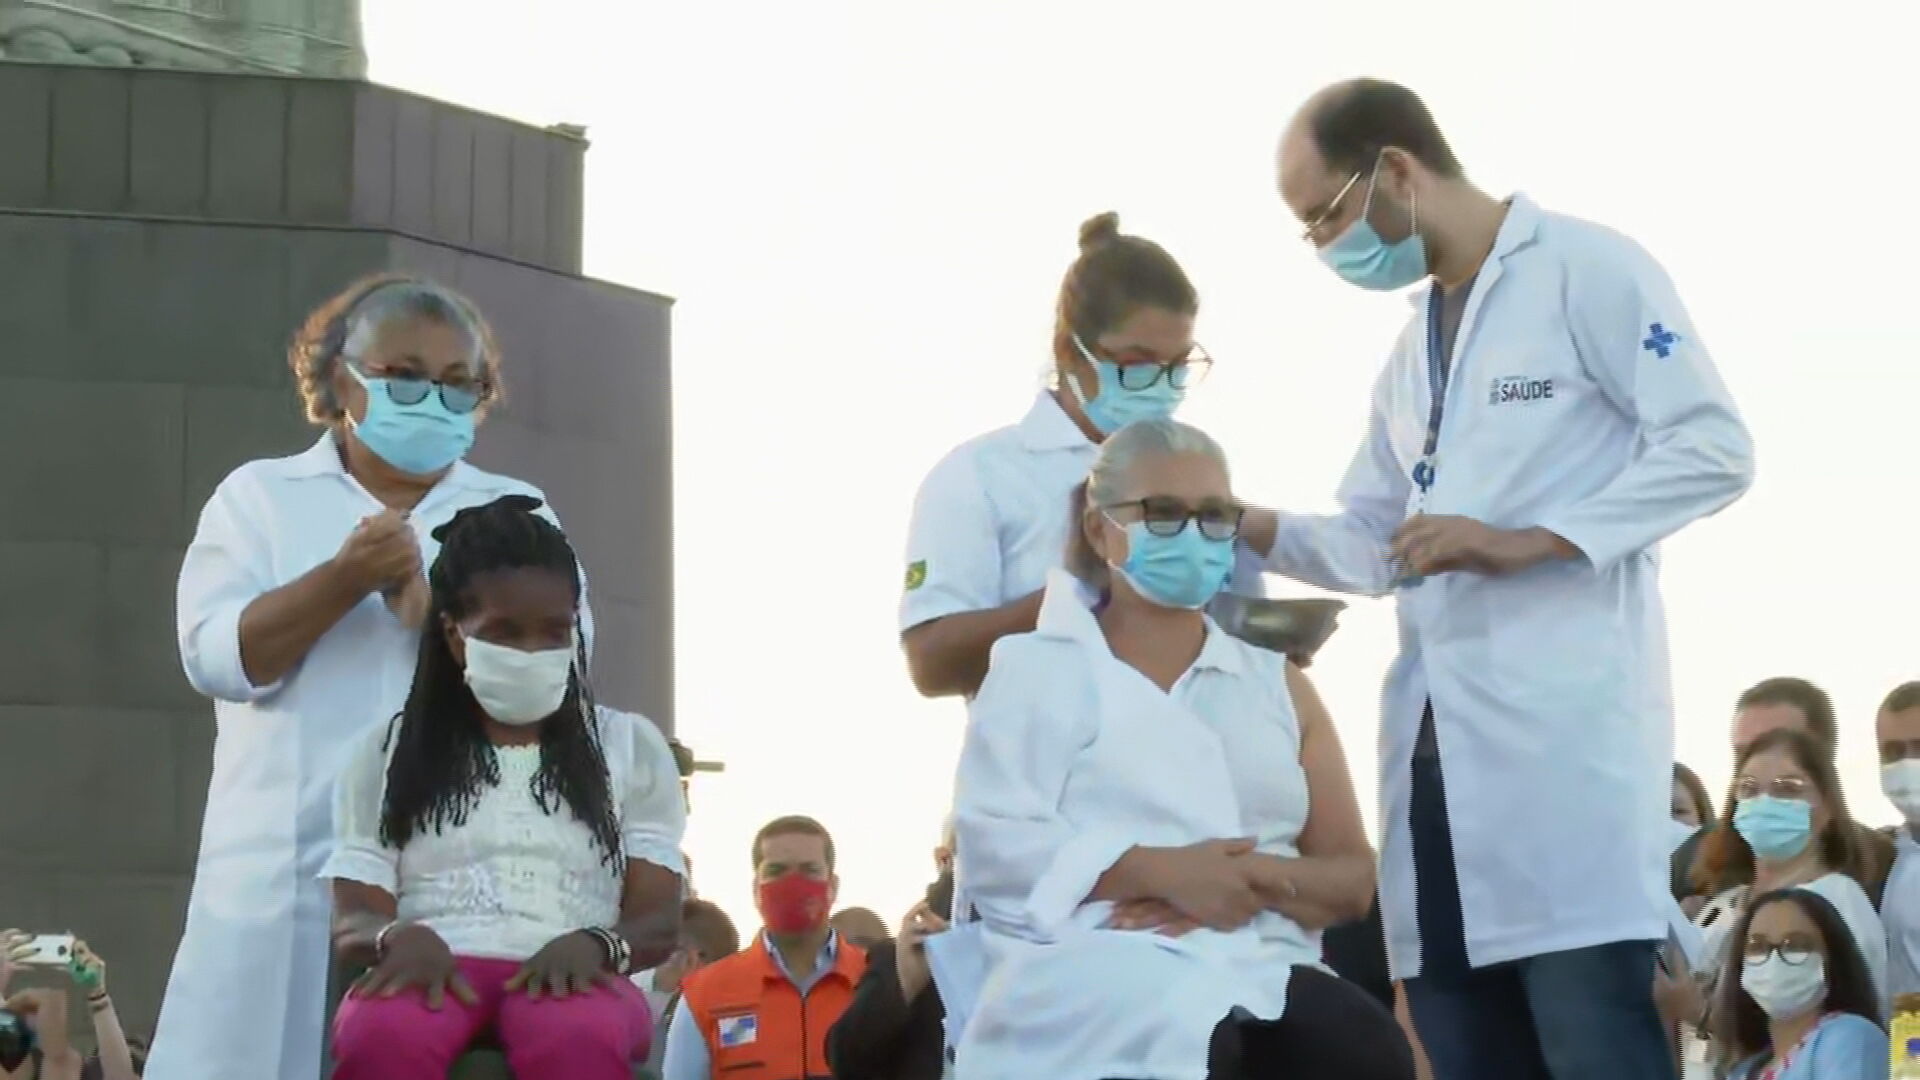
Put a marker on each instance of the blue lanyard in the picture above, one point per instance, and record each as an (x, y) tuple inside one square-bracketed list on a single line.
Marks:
[(1436, 388)]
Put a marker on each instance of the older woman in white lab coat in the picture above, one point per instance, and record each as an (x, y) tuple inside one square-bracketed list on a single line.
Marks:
[(298, 606), (1157, 817), (990, 519)]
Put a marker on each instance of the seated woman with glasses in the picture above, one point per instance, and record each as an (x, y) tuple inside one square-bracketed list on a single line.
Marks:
[(1786, 827), (1796, 1002), (986, 524), (1155, 819), (506, 852)]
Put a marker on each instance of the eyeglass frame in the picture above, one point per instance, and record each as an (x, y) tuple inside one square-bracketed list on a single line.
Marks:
[(1236, 509), (1310, 234), (1796, 788), (1203, 361), (393, 384), (1777, 948)]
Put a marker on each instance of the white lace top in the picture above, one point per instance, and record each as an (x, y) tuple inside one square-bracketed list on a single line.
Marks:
[(513, 877)]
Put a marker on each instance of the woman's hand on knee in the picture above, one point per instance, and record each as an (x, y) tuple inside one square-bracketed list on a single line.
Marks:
[(416, 957), (573, 963)]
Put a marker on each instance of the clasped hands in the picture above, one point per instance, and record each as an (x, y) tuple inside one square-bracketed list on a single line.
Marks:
[(1215, 884)]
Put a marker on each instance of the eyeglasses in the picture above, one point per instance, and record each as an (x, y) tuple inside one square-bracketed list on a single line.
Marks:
[(460, 398), (1312, 233), (1793, 951), (1780, 787), (1138, 371), (1164, 516)]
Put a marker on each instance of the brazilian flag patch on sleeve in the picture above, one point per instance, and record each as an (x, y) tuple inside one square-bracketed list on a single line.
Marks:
[(916, 575)]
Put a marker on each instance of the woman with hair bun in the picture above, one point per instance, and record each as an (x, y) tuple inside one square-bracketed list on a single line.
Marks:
[(987, 525), (298, 612)]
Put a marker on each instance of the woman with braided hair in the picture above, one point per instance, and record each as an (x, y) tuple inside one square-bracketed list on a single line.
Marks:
[(299, 605), (506, 851), (987, 525)]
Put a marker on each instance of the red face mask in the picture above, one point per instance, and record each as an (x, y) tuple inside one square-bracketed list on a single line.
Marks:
[(793, 903)]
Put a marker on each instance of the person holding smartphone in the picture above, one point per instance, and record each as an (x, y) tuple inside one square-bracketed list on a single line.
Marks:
[(44, 1011)]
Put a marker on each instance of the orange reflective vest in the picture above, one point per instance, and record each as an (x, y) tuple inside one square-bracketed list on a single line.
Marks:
[(756, 1024)]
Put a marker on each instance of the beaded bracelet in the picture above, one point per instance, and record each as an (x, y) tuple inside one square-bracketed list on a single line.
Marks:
[(619, 952)]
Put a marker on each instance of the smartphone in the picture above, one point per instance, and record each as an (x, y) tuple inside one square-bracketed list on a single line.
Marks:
[(48, 950)]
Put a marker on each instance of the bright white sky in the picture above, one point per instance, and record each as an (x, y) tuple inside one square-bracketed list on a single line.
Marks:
[(864, 208)]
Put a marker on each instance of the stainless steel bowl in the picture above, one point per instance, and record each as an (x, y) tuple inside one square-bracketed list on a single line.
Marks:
[(1297, 627)]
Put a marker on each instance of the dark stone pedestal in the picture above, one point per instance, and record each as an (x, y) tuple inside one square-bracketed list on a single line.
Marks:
[(161, 233)]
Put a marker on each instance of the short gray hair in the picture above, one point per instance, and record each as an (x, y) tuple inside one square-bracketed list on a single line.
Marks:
[(1111, 477), (349, 323)]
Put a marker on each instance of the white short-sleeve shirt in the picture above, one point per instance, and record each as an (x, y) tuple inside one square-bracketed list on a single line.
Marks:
[(513, 877), (991, 518)]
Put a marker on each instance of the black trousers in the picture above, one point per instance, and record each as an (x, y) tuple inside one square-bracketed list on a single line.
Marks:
[(1332, 1030)]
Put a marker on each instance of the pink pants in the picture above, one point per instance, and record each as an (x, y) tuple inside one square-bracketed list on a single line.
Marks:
[(593, 1036)]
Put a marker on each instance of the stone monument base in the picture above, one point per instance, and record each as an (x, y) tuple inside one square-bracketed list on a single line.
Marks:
[(161, 234)]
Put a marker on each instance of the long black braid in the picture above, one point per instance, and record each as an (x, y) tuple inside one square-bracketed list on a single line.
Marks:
[(442, 759)]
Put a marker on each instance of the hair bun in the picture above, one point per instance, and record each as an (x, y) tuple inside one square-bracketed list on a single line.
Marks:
[(1099, 230), (525, 504)]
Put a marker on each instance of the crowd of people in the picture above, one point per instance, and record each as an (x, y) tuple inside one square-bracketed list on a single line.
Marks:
[(424, 836)]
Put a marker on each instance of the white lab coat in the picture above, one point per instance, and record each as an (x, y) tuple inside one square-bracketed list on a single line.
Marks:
[(1549, 688), (1071, 758), (247, 997), (991, 518)]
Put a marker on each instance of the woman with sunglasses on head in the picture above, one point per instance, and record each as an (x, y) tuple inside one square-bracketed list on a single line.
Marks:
[(986, 524), (1155, 818), (299, 604), (1786, 826), (1796, 1001)]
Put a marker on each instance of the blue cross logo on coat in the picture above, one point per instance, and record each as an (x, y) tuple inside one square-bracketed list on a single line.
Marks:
[(1660, 341)]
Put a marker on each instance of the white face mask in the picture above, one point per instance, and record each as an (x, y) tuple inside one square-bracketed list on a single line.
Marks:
[(1901, 782), (1784, 990), (1680, 834), (516, 687)]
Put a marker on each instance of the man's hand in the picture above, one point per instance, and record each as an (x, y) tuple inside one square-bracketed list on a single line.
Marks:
[(1429, 544), (572, 963), (910, 950)]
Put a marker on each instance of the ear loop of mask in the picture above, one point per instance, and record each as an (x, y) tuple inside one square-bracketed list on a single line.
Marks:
[(1073, 384)]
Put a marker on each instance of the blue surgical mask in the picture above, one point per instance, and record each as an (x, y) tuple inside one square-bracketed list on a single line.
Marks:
[(1774, 828), (1116, 406), (1184, 570), (1361, 258), (421, 439)]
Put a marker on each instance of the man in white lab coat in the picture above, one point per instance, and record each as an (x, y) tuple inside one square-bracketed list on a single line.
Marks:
[(1546, 418)]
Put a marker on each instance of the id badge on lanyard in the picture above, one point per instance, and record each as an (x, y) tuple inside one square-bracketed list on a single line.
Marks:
[(1427, 468)]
